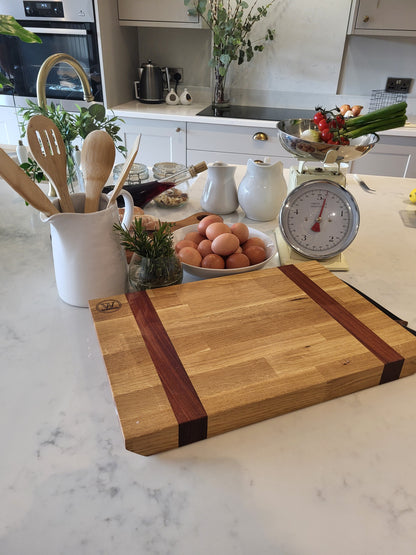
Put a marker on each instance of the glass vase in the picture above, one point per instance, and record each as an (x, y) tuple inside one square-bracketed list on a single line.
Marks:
[(220, 96), (151, 273)]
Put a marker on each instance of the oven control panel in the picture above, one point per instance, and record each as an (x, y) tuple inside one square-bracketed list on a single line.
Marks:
[(43, 9)]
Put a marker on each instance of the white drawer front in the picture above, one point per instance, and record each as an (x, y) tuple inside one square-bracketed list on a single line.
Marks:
[(234, 139)]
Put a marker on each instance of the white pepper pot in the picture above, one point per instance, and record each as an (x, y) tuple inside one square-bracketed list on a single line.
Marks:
[(262, 190)]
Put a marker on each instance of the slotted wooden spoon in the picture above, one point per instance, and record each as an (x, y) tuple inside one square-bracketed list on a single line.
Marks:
[(97, 160), (48, 148), (24, 186)]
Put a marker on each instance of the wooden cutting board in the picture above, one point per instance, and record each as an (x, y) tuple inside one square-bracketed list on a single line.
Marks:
[(195, 360)]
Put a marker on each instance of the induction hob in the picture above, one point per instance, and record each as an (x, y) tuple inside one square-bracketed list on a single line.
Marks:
[(256, 112)]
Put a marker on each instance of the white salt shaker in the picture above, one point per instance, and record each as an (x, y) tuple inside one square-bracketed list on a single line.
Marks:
[(220, 191), (172, 98)]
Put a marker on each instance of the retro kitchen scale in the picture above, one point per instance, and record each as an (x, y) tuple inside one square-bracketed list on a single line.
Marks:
[(319, 218)]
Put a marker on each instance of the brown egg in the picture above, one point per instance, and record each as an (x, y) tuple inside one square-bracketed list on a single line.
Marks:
[(255, 254), (204, 223), (253, 241), (204, 247), (185, 243), (237, 260), (241, 231), (225, 244), (215, 229), (239, 250), (190, 256), (194, 236), (213, 261)]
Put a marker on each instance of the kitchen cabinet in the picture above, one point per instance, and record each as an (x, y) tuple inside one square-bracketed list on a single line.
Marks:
[(393, 156), (156, 13), (161, 141), (9, 126), (233, 144), (383, 17)]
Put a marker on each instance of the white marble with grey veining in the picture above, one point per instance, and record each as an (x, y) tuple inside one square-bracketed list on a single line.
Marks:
[(337, 478)]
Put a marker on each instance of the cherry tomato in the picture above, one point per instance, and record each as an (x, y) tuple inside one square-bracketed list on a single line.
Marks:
[(323, 124), (340, 120), (344, 140), (318, 116), (326, 134)]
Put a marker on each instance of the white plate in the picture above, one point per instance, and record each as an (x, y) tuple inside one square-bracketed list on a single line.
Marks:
[(179, 234)]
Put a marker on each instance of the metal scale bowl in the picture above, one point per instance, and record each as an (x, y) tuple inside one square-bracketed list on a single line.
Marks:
[(290, 135), (302, 232)]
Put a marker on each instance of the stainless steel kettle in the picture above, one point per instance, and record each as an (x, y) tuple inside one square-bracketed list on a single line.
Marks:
[(153, 80)]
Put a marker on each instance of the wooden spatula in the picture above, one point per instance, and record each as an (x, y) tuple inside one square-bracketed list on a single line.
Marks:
[(48, 149), (125, 171), (97, 160), (24, 186)]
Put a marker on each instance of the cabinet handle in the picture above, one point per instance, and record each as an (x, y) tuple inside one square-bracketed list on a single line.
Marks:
[(178, 130), (366, 19), (260, 136)]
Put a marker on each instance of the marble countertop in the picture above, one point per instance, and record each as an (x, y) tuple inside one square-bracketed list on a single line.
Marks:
[(188, 113), (335, 478)]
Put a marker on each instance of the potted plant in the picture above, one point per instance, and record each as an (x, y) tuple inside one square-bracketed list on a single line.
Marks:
[(154, 262), (231, 23), (72, 126)]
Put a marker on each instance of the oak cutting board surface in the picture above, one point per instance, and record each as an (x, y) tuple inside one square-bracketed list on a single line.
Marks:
[(194, 360)]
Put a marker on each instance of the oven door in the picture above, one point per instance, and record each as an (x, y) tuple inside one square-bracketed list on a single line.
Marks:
[(21, 61)]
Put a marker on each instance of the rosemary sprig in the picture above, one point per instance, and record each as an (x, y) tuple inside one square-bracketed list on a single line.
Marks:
[(150, 245)]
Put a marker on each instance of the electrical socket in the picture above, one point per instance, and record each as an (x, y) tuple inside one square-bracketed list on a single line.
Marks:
[(398, 84), (172, 72)]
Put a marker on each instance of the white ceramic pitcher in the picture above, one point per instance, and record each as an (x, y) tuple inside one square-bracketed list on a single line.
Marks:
[(220, 191), (262, 190), (88, 258)]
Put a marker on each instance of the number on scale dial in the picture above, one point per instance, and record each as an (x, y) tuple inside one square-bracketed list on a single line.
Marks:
[(319, 219)]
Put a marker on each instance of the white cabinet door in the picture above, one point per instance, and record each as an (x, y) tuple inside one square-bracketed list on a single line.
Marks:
[(392, 156), (155, 13), (383, 17), (9, 126), (161, 141)]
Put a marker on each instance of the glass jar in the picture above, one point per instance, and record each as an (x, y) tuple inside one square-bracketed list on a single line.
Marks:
[(151, 273), (137, 174)]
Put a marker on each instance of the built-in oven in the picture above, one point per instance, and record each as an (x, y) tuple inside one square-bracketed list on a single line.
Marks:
[(67, 26)]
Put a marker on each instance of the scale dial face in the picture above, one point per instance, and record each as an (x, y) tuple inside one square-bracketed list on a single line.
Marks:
[(319, 219)]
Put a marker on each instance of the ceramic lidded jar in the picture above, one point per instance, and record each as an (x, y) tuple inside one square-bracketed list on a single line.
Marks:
[(220, 191), (262, 190)]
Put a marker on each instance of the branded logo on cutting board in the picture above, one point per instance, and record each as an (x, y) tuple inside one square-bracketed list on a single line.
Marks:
[(108, 305)]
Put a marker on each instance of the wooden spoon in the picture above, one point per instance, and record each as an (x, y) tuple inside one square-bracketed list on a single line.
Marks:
[(97, 160), (124, 171), (48, 149), (24, 186)]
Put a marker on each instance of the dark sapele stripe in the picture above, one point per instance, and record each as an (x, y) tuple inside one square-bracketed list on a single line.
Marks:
[(186, 405), (392, 360)]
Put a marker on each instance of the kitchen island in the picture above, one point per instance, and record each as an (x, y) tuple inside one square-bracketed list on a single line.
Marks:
[(335, 478)]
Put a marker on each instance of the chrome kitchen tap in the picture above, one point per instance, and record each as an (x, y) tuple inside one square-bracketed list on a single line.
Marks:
[(46, 67)]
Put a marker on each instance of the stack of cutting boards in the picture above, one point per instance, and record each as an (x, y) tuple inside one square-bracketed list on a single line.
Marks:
[(195, 360)]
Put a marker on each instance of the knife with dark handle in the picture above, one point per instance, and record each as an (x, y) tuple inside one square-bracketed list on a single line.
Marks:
[(403, 323)]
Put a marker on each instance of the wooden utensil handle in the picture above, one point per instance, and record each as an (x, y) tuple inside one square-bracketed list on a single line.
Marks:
[(24, 186), (190, 220)]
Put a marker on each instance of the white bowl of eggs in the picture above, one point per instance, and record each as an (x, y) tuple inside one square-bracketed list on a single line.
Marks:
[(213, 248)]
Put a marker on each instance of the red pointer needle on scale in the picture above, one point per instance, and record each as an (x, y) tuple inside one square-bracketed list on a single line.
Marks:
[(316, 226)]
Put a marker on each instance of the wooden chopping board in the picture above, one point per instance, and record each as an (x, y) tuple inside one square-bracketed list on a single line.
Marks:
[(195, 360)]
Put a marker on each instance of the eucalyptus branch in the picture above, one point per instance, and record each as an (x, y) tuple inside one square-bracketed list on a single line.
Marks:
[(231, 28)]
